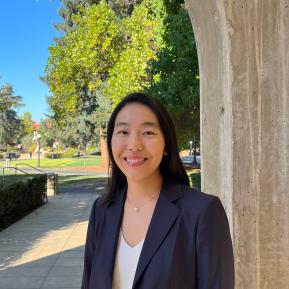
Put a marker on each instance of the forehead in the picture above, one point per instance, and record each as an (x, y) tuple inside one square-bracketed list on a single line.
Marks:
[(136, 114)]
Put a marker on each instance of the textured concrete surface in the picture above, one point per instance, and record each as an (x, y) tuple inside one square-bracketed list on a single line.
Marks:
[(45, 249), (244, 71)]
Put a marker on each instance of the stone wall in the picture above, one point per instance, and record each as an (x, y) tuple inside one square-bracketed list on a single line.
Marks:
[(243, 49)]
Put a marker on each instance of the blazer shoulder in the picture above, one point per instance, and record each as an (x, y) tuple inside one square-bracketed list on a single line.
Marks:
[(98, 208), (196, 195), (197, 200)]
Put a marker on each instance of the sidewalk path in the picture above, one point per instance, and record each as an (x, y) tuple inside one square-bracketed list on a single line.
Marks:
[(45, 249)]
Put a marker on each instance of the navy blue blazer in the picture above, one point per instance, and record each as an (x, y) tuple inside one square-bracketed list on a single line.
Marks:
[(187, 246)]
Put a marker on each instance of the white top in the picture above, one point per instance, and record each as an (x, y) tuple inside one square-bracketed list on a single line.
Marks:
[(125, 263)]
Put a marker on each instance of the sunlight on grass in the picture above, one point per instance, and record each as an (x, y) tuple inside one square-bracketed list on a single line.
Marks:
[(56, 163)]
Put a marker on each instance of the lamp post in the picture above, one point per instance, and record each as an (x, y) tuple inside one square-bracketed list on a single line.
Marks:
[(191, 144), (195, 155), (37, 137)]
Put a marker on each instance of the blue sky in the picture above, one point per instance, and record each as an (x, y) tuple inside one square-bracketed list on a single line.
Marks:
[(26, 31)]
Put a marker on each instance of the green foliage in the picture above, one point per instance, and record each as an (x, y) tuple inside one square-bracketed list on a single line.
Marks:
[(18, 197), (50, 131), (80, 63), (9, 122), (56, 155), (26, 130), (116, 47), (67, 154), (27, 124), (9, 127), (195, 179), (69, 8), (79, 131), (103, 57), (174, 75), (9, 101), (129, 73)]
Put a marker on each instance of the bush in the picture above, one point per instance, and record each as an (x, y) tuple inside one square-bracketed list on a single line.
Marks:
[(68, 154), (52, 155), (20, 196), (195, 179)]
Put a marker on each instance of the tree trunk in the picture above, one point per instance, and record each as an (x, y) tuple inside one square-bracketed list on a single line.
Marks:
[(103, 149)]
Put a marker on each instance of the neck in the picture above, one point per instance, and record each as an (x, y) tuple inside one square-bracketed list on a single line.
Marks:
[(145, 189)]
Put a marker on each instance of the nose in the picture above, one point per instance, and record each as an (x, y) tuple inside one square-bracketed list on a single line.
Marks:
[(134, 143)]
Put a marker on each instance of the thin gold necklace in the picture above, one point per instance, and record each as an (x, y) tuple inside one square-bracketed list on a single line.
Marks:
[(137, 208)]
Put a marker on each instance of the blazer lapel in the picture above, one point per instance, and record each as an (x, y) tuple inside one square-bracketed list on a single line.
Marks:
[(112, 224), (163, 218)]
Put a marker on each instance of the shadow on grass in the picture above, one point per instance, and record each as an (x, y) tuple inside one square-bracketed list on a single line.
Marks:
[(81, 184)]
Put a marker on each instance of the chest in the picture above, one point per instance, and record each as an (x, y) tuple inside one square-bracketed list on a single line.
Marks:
[(135, 223), (166, 255)]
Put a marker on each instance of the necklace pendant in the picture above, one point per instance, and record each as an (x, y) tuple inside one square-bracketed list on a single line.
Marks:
[(136, 209)]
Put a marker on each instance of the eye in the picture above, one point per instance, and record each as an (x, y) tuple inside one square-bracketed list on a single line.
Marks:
[(149, 133), (121, 132)]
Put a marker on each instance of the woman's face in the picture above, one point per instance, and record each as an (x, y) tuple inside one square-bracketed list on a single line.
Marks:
[(137, 142)]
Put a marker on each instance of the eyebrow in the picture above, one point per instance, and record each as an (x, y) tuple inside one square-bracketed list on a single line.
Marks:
[(146, 123)]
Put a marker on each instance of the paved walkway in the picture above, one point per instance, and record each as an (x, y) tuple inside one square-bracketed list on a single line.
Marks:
[(45, 249)]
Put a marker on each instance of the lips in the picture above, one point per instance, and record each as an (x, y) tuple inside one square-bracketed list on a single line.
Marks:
[(134, 162)]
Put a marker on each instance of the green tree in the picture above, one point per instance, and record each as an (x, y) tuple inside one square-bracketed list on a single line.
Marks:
[(102, 53), (27, 123), (175, 75), (50, 131), (112, 48), (79, 66), (9, 128), (103, 56), (9, 122), (69, 8), (129, 74), (7, 98)]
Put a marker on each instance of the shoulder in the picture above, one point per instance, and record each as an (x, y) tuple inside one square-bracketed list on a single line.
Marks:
[(195, 201), (98, 209)]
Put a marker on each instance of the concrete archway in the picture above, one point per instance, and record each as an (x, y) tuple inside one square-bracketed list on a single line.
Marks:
[(243, 49)]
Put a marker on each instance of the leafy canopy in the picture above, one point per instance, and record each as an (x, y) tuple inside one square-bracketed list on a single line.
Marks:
[(82, 59), (102, 53)]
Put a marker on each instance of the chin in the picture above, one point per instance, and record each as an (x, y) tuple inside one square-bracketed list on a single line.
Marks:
[(140, 177)]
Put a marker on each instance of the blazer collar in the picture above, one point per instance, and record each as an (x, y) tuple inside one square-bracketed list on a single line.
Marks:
[(164, 216), (162, 221)]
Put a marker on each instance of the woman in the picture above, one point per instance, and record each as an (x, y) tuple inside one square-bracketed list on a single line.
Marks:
[(151, 231)]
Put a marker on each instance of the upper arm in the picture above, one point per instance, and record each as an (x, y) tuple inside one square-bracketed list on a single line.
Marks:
[(89, 247), (215, 261)]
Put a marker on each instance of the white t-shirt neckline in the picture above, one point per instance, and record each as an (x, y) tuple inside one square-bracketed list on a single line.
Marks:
[(126, 261), (127, 244)]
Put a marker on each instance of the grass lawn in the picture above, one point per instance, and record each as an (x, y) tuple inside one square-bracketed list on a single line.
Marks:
[(81, 181), (57, 163)]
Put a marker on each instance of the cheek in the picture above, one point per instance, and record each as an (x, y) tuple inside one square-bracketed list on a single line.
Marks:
[(158, 149), (117, 146)]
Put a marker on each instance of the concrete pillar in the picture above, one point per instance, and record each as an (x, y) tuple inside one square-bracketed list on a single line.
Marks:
[(52, 184), (243, 49)]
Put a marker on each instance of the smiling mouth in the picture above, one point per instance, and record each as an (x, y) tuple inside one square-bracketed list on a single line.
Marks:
[(135, 162)]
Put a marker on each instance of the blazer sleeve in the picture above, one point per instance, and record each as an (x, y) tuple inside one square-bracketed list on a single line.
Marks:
[(215, 260), (89, 248)]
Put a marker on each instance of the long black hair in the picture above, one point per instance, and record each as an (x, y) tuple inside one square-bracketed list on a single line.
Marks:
[(171, 167)]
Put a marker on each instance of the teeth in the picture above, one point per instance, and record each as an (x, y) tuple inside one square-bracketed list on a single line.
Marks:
[(134, 161)]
